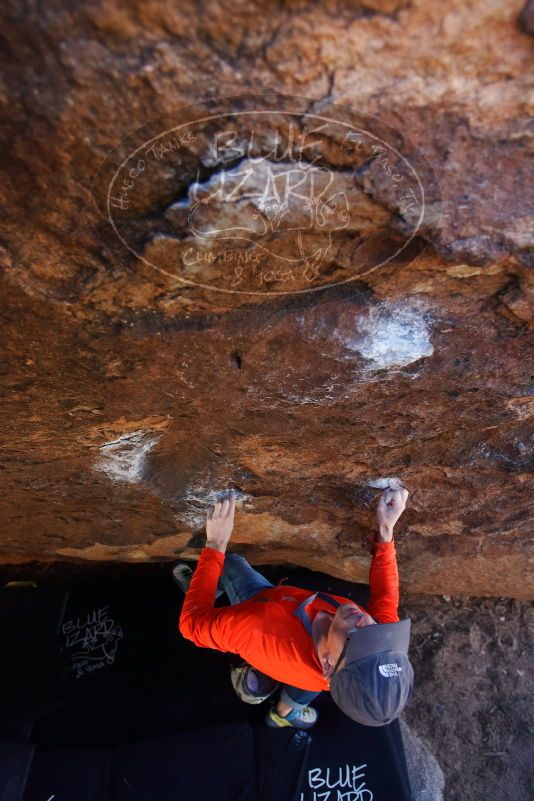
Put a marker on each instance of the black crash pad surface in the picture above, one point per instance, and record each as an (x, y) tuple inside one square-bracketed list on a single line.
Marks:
[(150, 717)]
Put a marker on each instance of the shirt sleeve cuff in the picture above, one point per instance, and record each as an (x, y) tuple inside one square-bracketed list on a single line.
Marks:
[(212, 554), (384, 547)]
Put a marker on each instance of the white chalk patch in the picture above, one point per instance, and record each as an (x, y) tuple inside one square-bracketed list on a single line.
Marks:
[(124, 458), (206, 498), (193, 520), (390, 482), (391, 335), (200, 499)]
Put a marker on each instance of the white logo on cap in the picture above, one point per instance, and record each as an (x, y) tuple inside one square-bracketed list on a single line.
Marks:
[(390, 670)]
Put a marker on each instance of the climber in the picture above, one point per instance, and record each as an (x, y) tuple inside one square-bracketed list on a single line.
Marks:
[(305, 642)]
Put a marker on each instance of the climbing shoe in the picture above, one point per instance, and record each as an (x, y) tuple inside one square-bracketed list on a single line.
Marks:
[(182, 575), (250, 685), (297, 718)]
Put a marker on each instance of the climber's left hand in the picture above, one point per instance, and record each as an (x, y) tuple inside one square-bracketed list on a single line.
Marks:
[(220, 523)]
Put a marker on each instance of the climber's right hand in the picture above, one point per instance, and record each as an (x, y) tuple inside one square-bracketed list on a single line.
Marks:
[(391, 505)]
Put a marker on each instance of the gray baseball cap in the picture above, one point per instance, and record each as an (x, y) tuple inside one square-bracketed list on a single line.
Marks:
[(376, 680)]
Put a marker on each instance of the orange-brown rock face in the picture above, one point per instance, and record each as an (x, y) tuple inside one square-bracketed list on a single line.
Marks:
[(284, 250)]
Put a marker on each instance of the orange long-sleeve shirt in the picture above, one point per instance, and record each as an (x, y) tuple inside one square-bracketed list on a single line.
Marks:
[(264, 630)]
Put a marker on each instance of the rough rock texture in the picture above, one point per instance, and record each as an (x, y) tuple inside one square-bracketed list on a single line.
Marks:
[(471, 706), (131, 398), (426, 777)]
